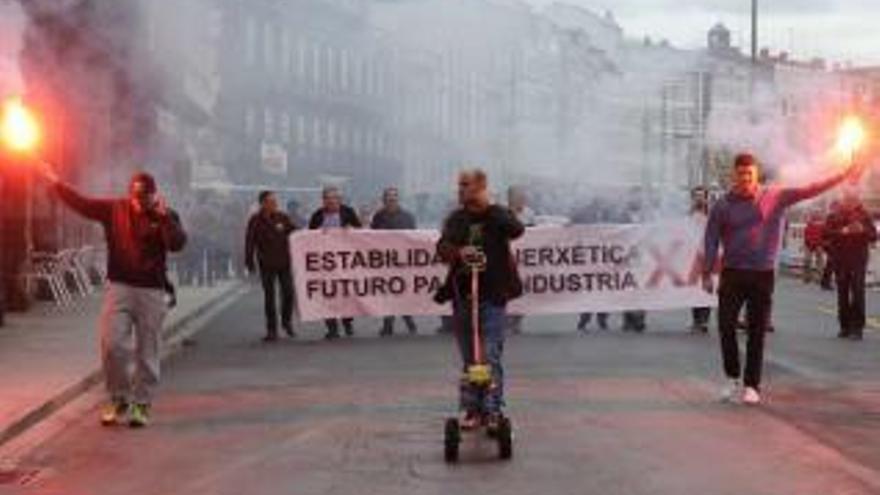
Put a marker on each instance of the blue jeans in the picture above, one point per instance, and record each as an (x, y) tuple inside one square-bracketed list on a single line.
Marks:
[(493, 318)]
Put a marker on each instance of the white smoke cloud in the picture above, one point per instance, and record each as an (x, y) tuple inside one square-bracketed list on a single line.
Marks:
[(11, 31)]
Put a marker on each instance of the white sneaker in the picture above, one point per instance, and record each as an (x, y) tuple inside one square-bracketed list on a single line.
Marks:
[(751, 396), (730, 391)]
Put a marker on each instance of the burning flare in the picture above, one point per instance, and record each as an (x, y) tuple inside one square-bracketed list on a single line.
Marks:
[(19, 129), (850, 137)]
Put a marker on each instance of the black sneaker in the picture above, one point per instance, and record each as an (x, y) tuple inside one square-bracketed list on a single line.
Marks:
[(271, 337), (493, 421), (331, 336), (288, 329)]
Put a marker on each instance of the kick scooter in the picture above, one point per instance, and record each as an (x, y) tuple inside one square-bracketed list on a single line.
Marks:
[(479, 376)]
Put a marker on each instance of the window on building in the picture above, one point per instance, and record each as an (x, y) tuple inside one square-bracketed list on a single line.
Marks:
[(250, 120), (250, 41), (301, 59), (268, 124), (356, 139), (317, 67), (284, 127), (331, 68), (368, 77), (268, 45), (317, 133), (380, 80), (343, 137), (331, 135), (301, 129), (368, 141), (343, 70), (285, 54)]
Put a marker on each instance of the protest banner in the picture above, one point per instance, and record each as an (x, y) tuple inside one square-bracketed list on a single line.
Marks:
[(572, 269)]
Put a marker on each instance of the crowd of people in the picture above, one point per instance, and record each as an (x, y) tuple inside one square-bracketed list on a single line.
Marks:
[(745, 224)]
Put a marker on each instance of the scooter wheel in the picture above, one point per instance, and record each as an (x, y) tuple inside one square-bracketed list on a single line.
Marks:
[(451, 440), (505, 438)]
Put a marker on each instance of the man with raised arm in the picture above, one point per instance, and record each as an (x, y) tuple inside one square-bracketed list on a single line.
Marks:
[(140, 231), (747, 224)]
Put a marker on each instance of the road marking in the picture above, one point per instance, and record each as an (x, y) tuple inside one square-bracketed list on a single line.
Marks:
[(871, 322)]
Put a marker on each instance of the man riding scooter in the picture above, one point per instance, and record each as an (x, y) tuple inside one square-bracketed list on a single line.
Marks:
[(477, 237)]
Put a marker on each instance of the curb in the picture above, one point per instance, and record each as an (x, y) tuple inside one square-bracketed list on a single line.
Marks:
[(84, 384)]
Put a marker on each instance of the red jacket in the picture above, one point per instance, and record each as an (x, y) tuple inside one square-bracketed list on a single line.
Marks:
[(813, 234), (137, 243)]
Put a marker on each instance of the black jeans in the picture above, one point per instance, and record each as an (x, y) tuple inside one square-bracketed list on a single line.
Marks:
[(851, 299), (828, 271), (701, 316), (754, 289), (284, 280), (584, 320), (332, 325), (388, 323), (634, 320)]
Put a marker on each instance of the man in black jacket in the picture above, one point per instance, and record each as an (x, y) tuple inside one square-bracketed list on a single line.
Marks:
[(480, 229), (392, 217), (140, 230), (333, 215), (268, 234), (850, 232)]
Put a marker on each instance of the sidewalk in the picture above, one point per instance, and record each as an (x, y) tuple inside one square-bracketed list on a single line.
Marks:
[(48, 357)]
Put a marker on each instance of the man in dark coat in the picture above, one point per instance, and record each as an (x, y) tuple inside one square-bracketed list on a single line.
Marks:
[(480, 230), (267, 240), (851, 232)]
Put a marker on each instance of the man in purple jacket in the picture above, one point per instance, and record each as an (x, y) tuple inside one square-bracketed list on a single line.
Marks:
[(747, 224)]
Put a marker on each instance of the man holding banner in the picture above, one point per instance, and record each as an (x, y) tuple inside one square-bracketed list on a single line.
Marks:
[(747, 224), (480, 228), (393, 217), (334, 215)]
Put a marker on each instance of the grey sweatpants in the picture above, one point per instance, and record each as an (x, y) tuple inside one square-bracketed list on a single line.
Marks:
[(131, 329)]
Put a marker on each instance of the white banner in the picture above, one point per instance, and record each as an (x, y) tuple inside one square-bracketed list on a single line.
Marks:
[(345, 272)]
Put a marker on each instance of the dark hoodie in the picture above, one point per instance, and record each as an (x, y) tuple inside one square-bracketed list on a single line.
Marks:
[(137, 243)]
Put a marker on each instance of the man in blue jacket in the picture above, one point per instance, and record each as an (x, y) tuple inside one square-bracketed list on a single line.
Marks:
[(747, 223)]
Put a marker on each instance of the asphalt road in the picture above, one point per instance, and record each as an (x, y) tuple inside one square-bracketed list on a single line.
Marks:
[(608, 413)]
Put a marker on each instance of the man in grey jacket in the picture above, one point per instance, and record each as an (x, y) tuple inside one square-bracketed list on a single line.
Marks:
[(392, 217)]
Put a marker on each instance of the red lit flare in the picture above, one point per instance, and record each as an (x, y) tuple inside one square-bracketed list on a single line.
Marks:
[(19, 129), (851, 136)]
